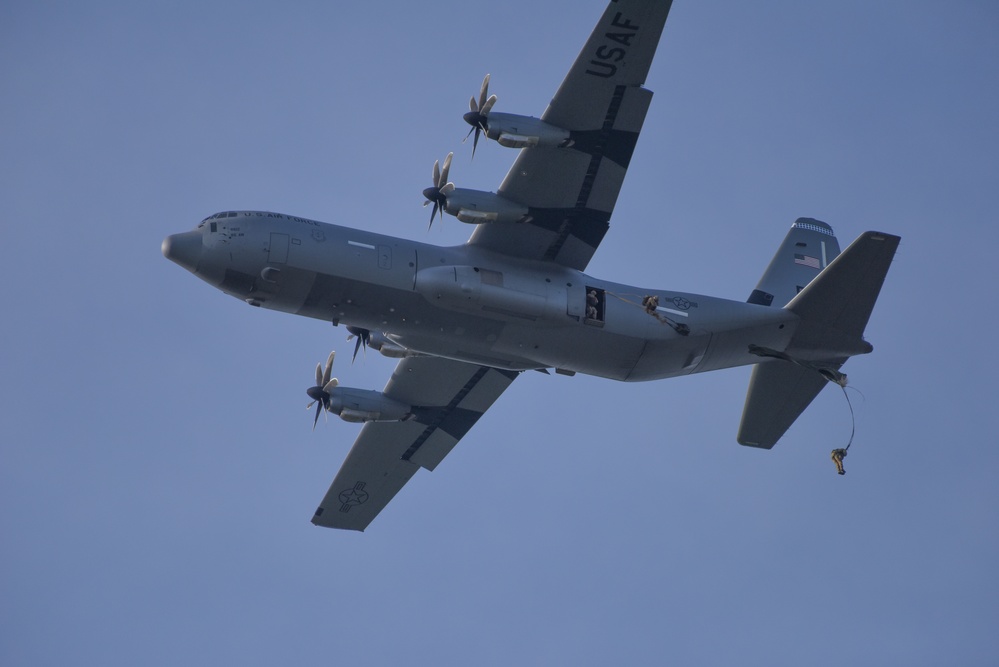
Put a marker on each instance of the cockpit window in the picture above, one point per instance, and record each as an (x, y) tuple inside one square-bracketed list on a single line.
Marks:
[(219, 216)]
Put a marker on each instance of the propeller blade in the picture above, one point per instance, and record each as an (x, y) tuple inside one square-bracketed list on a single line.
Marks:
[(320, 393), (488, 106), (329, 370), (436, 195), (484, 92), (433, 214), (445, 170), (476, 117), (362, 335)]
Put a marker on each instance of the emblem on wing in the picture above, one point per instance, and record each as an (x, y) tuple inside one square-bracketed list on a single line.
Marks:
[(355, 495)]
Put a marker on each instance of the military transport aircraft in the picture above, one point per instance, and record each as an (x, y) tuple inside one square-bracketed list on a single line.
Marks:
[(464, 321)]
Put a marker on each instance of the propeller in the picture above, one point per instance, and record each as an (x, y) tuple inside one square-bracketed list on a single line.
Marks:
[(320, 394), (478, 115), (438, 194), (363, 337)]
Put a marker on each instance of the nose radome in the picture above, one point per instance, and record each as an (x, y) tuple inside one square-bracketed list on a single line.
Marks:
[(184, 249)]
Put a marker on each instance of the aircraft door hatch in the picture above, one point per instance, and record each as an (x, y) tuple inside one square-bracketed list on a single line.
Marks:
[(278, 252), (575, 301), (595, 299)]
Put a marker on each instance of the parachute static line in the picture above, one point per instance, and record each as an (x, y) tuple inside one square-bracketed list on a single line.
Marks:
[(853, 420), (837, 455), (650, 304), (831, 375)]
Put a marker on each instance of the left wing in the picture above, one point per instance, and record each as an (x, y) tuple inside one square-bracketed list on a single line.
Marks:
[(448, 398), (570, 192)]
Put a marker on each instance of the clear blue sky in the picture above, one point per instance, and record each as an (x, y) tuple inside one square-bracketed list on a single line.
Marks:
[(158, 472)]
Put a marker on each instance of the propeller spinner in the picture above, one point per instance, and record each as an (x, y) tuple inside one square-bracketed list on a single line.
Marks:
[(438, 194), (320, 393), (478, 115)]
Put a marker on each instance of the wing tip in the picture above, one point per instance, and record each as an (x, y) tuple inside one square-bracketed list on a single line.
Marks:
[(330, 522), (755, 442)]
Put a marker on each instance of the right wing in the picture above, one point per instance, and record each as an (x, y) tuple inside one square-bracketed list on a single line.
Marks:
[(449, 397), (570, 192)]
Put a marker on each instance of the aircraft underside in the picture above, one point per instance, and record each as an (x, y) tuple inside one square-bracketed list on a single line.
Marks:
[(478, 307), (464, 321)]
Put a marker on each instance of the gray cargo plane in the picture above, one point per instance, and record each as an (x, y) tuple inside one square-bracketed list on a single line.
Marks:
[(466, 320)]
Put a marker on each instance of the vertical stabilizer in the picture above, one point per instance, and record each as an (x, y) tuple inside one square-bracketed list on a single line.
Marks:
[(807, 249)]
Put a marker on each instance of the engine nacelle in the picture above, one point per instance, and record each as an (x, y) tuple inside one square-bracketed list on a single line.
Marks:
[(515, 131), (365, 405), (476, 206), (388, 348)]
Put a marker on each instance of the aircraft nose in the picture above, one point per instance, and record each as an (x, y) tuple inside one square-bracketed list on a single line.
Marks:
[(184, 249)]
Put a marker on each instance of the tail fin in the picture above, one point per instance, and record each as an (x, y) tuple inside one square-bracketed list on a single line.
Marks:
[(834, 309), (807, 249)]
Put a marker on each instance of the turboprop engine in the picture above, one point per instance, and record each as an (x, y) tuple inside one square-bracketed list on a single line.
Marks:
[(352, 405), (514, 131), (476, 206), (366, 405), (471, 206), (511, 130), (376, 340)]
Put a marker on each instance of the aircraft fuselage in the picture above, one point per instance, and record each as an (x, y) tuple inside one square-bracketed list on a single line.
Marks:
[(473, 305)]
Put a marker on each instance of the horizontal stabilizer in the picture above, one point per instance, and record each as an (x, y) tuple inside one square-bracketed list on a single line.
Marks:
[(779, 391)]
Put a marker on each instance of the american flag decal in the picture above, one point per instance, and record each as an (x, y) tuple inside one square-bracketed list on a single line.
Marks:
[(805, 260)]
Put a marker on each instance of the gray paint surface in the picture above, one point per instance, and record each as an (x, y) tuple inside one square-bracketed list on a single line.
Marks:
[(154, 510)]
